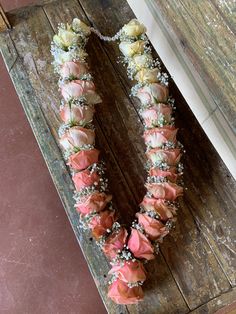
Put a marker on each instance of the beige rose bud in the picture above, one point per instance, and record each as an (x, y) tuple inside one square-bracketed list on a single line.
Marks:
[(140, 61), (79, 26), (129, 49), (65, 38), (134, 28), (147, 75)]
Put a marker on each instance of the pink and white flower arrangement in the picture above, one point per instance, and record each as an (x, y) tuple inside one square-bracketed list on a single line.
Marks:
[(127, 249)]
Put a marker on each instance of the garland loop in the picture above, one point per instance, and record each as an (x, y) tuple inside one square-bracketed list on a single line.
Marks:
[(127, 249)]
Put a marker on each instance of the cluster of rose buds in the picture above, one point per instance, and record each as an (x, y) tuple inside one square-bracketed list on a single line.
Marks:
[(127, 249), (158, 208)]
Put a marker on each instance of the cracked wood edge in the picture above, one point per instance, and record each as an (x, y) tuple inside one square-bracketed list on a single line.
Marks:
[(4, 23)]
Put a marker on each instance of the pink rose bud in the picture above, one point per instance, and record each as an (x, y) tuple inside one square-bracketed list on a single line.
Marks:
[(129, 271), (85, 178), (156, 114), (159, 206), (77, 137), (76, 89), (140, 246), (167, 190), (120, 293), (170, 156), (95, 202), (77, 114), (73, 69), (153, 93), (83, 159), (170, 174), (153, 227), (100, 223), (115, 243), (158, 136)]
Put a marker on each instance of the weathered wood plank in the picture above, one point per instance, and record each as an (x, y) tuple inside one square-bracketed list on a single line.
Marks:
[(216, 306), (11, 54), (111, 110), (227, 9), (27, 25), (208, 43), (210, 195), (184, 250)]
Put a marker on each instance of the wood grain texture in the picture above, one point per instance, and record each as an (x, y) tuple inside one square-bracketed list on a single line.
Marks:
[(198, 261), (219, 305), (227, 9), (201, 29)]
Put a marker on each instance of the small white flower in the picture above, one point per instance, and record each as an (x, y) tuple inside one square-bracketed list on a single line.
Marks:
[(66, 37)]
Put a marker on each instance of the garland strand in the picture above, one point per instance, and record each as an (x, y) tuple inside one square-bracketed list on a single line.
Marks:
[(127, 249)]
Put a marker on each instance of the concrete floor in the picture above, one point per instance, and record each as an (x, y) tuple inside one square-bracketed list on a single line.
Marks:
[(42, 269)]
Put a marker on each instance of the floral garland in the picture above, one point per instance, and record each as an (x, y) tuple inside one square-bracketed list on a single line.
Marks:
[(127, 249)]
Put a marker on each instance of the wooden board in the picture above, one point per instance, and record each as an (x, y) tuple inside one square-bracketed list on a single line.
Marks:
[(197, 262), (226, 302), (205, 30)]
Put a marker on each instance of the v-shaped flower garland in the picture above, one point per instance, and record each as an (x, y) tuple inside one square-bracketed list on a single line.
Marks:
[(126, 249)]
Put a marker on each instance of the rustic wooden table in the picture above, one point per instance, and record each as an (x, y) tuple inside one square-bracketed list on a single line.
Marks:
[(195, 271)]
